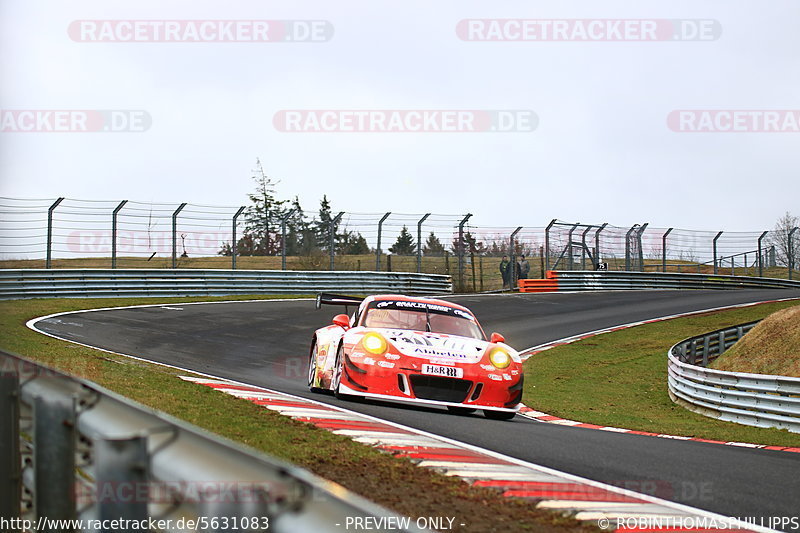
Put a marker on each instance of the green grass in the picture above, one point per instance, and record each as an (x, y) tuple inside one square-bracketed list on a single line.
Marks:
[(619, 379), (389, 481)]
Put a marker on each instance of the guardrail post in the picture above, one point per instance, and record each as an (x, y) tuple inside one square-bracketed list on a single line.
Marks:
[(378, 247), (114, 233), (52, 208), (54, 457), (583, 249), (332, 237), (512, 277), (121, 477), (175, 235), (628, 247), (714, 244), (791, 251), (569, 246), (10, 476), (639, 241), (234, 243), (284, 220), (597, 242), (760, 253), (419, 241), (547, 244), (460, 251), (664, 250)]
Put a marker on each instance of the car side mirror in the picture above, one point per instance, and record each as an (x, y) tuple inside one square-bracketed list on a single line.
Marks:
[(343, 321), (496, 337)]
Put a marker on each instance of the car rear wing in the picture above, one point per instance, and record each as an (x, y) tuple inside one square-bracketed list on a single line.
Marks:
[(336, 299)]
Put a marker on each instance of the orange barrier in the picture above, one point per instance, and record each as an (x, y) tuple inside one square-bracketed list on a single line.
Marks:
[(538, 285)]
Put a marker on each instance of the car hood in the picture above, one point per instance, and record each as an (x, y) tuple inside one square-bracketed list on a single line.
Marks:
[(436, 346)]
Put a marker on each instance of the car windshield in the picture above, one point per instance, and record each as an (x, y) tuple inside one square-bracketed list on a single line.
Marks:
[(416, 316)]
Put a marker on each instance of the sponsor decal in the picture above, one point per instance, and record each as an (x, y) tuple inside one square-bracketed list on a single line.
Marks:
[(369, 361), (385, 364), (494, 377)]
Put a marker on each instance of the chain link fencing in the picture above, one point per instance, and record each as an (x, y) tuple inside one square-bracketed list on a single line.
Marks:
[(76, 233)]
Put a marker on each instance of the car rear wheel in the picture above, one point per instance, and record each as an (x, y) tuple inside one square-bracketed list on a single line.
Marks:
[(498, 415), (312, 368)]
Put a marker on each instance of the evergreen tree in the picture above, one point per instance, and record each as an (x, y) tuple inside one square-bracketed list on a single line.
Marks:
[(404, 245), (263, 218), (433, 246), (352, 243), (322, 226)]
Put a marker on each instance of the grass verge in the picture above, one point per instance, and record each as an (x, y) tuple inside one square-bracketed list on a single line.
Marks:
[(395, 483), (772, 347), (619, 379)]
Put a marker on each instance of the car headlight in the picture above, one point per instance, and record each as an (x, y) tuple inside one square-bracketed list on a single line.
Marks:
[(499, 358), (374, 343)]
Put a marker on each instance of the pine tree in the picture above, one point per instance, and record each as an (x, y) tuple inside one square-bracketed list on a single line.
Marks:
[(404, 245), (322, 226), (263, 218), (433, 246), (352, 243)]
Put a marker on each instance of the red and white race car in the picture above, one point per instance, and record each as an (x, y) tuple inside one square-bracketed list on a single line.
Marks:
[(416, 350)]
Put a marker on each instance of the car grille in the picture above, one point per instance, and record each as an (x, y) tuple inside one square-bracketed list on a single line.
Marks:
[(440, 388)]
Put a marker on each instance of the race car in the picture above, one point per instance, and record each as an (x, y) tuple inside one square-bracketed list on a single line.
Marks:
[(416, 350)]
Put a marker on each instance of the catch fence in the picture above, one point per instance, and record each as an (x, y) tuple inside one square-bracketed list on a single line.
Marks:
[(76, 233)]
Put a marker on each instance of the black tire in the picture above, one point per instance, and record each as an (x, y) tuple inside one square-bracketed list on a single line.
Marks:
[(498, 415), (456, 410), (312, 367), (336, 379)]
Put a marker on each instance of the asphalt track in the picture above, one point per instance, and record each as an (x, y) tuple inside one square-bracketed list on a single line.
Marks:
[(266, 343)]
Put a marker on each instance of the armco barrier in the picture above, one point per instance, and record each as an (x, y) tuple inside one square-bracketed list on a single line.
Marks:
[(750, 399), (579, 280), (72, 450), (101, 283)]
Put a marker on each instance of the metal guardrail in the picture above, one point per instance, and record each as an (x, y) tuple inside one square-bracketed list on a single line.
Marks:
[(71, 450), (750, 399), (608, 280), (102, 283)]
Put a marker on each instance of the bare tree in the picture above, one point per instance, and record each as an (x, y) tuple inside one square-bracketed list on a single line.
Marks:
[(779, 237)]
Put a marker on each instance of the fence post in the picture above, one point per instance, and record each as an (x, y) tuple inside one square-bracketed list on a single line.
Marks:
[(234, 243), (584, 248), (791, 251), (641, 248), (419, 241), (378, 247), (9, 444), (175, 235), (597, 243), (121, 464), (760, 253), (50, 231), (628, 247), (114, 233), (714, 243), (332, 236), (284, 220), (547, 244), (664, 250), (569, 244), (512, 277), (54, 456), (460, 251)]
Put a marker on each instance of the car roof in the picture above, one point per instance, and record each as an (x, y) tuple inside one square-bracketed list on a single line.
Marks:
[(404, 298)]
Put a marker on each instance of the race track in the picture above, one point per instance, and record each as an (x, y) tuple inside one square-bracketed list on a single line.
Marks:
[(266, 343)]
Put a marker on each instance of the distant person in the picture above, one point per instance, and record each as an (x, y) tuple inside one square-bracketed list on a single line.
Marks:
[(523, 268), (505, 271)]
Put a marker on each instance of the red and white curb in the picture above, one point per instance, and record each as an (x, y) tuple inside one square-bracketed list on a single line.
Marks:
[(608, 506), (551, 419)]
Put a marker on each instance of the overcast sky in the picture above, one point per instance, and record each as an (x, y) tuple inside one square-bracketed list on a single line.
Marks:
[(599, 149)]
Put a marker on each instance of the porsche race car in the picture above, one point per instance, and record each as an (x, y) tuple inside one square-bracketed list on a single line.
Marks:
[(416, 350)]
